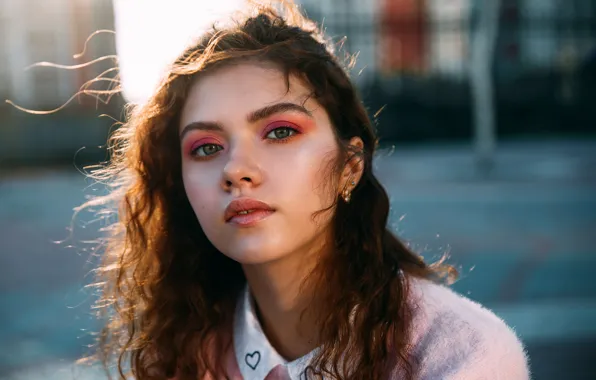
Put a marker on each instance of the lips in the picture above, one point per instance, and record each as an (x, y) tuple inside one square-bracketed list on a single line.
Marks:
[(247, 211)]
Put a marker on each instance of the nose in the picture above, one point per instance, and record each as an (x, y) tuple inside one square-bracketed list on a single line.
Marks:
[(242, 170)]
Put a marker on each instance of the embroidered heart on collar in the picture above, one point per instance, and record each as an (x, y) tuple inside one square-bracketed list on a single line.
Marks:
[(252, 360)]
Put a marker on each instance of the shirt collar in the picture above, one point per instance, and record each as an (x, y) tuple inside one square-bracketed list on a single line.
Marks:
[(255, 355)]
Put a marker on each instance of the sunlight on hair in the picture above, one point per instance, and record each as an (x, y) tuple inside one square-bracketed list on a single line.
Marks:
[(152, 33)]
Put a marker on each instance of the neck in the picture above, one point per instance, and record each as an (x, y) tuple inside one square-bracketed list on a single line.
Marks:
[(281, 296)]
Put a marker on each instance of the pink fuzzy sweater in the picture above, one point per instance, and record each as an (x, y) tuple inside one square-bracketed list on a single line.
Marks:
[(453, 339)]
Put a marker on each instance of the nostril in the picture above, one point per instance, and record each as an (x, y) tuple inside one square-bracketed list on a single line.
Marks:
[(247, 179)]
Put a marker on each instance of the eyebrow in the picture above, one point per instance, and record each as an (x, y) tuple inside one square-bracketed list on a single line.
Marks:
[(253, 117)]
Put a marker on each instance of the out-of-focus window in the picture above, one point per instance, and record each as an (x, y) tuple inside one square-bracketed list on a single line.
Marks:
[(4, 63)]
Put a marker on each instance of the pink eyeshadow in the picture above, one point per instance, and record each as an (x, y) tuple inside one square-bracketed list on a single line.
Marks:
[(203, 141), (279, 124)]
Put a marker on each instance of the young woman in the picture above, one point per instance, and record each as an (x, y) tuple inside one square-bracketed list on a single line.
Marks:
[(252, 240)]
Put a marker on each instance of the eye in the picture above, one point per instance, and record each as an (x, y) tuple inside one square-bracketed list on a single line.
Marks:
[(206, 150), (281, 133)]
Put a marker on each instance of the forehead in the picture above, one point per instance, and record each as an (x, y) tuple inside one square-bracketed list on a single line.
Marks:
[(240, 89)]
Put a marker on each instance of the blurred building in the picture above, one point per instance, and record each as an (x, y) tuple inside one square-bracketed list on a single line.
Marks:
[(53, 31), (402, 36), (34, 31), (399, 36), (414, 57), (448, 38), (412, 60), (432, 36), (545, 34), (355, 19), (389, 36)]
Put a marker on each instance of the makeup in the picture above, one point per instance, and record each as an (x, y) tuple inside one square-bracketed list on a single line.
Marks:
[(282, 124), (193, 146)]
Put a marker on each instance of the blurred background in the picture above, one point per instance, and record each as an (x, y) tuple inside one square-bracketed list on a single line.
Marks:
[(488, 134)]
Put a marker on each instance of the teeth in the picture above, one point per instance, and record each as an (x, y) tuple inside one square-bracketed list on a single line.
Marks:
[(245, 212)]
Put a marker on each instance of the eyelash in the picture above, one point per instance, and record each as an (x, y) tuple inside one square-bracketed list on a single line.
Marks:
[(293, 132)]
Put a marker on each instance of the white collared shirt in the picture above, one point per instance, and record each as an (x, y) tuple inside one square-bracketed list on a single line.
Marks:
[(256, 357)]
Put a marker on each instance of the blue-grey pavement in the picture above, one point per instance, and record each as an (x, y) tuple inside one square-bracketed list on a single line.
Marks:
[(522, 237)]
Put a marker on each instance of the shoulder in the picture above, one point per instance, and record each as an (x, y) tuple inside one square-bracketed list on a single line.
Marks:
[(456, 338)]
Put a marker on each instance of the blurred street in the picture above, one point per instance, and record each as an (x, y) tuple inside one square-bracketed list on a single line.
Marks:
[(523, 237)]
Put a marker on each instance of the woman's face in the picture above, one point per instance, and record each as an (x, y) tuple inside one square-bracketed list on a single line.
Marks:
[(256, 162)]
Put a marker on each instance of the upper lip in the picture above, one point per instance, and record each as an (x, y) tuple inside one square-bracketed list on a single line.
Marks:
[(245, 204)]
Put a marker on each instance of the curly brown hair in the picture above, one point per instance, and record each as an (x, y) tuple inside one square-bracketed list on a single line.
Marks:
[(164, 296)]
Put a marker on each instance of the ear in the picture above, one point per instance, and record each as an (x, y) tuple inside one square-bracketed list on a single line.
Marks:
[(354, 167)]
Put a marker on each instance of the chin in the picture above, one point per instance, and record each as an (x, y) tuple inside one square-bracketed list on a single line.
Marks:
[(256, 247), (253, 255)]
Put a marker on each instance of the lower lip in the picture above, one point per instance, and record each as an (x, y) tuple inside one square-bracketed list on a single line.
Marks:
[(250, 219)]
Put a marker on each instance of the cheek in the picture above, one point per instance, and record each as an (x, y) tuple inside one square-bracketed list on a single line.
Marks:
[(323, 178), (308, 175), (200, 190)]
